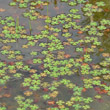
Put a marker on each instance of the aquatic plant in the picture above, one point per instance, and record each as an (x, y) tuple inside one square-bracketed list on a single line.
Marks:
[(56, 64), (3, 108), (12, 3), (45, 97), (22, 5), (33, 53), (25, 103), (18, 75), (72, 3)]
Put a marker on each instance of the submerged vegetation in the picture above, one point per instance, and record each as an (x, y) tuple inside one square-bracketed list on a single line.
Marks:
[(40, 67)]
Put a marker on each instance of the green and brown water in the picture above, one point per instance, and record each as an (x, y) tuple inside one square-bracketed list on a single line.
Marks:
[(54, 55)]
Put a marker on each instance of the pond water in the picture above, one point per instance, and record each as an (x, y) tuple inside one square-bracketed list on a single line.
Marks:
[(13, 87)]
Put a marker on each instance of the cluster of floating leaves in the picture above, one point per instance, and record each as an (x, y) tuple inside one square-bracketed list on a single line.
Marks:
[(55, 66), (31, 7)]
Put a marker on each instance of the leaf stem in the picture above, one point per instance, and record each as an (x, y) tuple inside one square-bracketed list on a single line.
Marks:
[(17, 23), (30, 27)]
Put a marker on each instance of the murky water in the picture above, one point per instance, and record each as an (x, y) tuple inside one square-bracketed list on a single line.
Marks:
[(55, 7)]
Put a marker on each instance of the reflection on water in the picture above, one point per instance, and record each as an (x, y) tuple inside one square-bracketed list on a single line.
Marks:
[(55, 3), (99, 16)]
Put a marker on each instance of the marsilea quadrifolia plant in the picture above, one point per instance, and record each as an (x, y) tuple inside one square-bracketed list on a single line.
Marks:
[(43, 63)]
